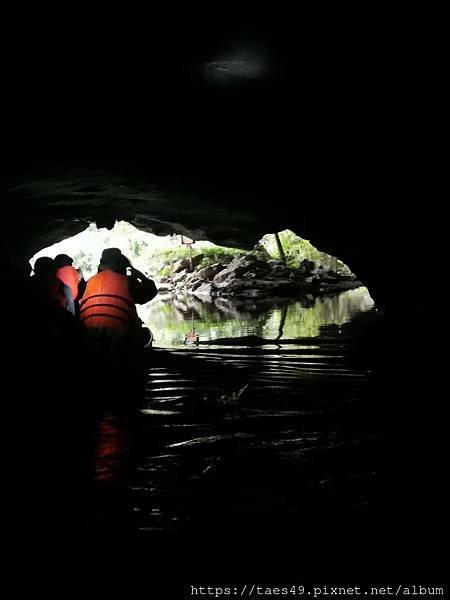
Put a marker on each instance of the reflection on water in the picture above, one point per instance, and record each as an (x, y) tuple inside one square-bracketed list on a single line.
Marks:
[(171, 318), (231, 437), (111, 451)]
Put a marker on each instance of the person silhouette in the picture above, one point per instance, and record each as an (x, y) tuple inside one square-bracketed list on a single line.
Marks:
[(109, 301)]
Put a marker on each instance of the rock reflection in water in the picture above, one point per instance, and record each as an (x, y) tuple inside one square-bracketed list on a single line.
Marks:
[(168, 316)]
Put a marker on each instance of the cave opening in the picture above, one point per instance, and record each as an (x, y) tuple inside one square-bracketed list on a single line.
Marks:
[(281, 290)]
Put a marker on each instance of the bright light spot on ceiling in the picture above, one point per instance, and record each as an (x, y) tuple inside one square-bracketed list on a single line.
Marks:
[(236, 66)]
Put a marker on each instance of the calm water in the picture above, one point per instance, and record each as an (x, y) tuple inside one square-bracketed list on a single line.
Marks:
[(170, 319), (231, 436)]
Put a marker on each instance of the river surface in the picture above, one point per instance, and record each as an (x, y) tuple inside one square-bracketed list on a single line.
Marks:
[(238, 434), (171, 319)]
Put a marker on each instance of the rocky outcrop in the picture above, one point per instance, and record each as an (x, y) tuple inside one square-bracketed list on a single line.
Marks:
[(185, 263), (249, 266), (205, 289), (251, 277), (208, 273)]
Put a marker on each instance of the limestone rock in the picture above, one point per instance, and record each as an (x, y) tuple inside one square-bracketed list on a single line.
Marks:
[(210, 272), (184, 263)]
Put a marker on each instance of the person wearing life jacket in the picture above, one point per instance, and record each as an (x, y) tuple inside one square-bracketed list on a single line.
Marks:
[(109, 301), (69, 275), (47, 290)]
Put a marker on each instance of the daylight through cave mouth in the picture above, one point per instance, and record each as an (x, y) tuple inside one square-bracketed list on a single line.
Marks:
[(282, 289)]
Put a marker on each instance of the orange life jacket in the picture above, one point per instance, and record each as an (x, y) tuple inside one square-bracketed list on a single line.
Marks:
[(69, 276), (107, 302)]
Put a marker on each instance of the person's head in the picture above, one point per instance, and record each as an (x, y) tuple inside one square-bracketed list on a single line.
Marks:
[(44, 266), (63, 260), (112, 258)]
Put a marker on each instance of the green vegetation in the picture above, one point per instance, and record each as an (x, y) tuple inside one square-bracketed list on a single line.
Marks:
[(297, 249), (213, 254), (137, 247), (84, 261), (219, 254)]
